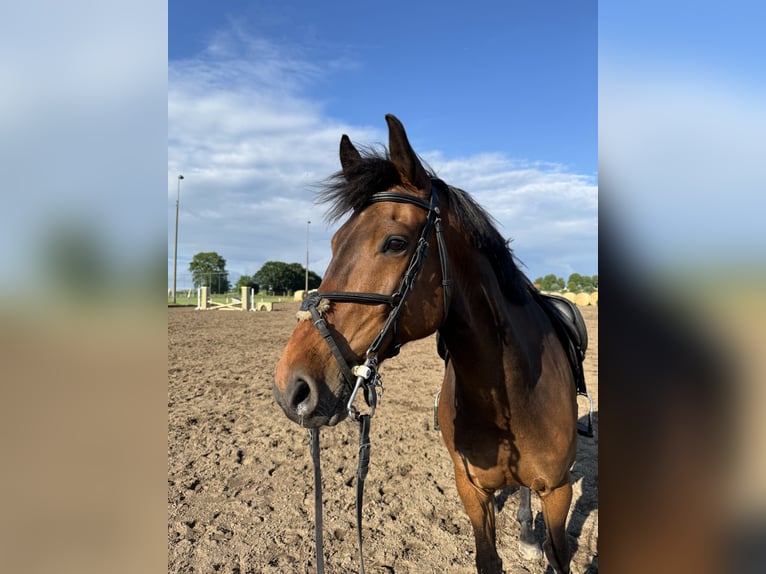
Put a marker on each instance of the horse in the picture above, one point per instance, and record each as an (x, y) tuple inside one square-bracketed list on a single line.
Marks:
[(507, 408)]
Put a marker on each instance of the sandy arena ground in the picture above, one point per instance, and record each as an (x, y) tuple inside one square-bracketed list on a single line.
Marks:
[(240, 483)]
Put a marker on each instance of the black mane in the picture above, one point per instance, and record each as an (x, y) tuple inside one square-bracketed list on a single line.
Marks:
[(350, 192)]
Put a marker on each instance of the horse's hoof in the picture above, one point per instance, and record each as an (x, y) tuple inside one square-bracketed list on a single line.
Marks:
[(530, 550)]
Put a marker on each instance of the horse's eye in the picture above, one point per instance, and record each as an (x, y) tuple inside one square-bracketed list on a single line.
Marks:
[(395, 244)]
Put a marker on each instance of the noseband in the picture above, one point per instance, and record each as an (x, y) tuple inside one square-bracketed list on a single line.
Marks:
[(366, 376)]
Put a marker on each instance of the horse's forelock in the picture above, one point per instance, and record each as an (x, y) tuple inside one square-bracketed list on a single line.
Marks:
[(350, 190)]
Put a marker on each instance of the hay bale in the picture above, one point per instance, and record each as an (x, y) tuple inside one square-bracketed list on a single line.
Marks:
[(582, 299), (594, 298), (568, 295)]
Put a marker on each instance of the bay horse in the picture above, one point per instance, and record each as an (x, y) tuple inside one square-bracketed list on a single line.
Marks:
[(507, 407)]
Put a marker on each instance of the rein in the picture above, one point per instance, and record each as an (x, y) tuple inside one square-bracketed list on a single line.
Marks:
[(366, 376)]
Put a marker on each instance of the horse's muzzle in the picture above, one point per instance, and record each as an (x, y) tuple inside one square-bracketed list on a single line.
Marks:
[(309, 403)]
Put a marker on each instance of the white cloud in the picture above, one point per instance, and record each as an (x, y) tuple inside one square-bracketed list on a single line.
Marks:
[(252, 147), (550, 214)]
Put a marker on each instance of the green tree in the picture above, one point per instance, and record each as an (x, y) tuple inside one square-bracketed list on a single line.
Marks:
[(550, 283), (574, 283), (272, 276), (298, 277), (247, 281), (314, 280), (280, 277), (210, 269)]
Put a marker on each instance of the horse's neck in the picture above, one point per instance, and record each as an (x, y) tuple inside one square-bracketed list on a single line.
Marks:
[(491, 338)]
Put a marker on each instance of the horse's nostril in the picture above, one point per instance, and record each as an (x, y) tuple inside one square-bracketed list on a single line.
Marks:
[(301, 396)]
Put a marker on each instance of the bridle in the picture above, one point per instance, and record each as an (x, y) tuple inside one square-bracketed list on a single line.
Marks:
[(366, 376)]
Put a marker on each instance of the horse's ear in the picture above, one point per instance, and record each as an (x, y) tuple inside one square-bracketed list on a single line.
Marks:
[(349, 155), (407, 163)]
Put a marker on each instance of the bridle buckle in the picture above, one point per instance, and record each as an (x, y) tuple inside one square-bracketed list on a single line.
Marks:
[(367, 378)]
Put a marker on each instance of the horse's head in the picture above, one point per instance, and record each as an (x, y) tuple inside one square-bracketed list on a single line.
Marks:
[(381, 289)]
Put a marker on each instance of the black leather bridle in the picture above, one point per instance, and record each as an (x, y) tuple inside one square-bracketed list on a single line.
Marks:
[(366, 376)]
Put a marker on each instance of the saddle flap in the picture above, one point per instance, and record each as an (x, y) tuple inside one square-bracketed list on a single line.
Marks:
[(569, 316), (570, 325)]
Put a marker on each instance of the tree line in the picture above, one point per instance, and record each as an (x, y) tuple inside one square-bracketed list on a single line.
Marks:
[(275, 277), (575, 284)]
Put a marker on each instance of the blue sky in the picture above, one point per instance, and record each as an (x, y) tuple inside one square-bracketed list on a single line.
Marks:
[(499, 98), (682, 118)]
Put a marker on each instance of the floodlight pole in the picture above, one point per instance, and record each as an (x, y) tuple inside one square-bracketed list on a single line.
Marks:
[(175, 240), (307, 257)]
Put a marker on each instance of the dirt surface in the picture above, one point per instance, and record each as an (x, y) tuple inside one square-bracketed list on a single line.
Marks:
[(240, 483)]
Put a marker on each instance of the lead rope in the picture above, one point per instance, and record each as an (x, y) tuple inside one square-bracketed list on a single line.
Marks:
[(361, 474), (314, 438)]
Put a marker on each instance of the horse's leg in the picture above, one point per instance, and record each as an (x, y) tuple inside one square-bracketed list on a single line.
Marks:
[(528, 546), (555, 504), (480, 507)]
